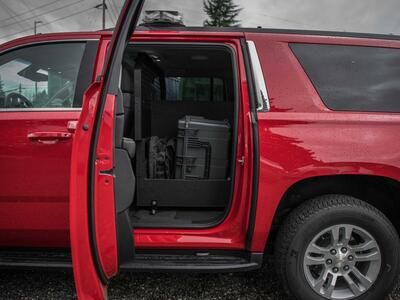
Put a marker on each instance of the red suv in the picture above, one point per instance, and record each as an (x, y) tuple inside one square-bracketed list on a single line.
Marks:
[(201, 150)]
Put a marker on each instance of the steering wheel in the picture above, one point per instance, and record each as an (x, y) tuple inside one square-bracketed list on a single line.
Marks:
[(16, 100)]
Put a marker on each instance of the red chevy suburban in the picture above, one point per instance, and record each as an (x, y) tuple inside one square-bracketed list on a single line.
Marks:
[(187, 149)]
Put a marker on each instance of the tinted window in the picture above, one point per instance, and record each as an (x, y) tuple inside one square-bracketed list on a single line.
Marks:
[(352, 77), (42, 76), (201, 89)]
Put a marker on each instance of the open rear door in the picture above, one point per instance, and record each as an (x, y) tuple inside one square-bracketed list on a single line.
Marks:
[(101, 235)]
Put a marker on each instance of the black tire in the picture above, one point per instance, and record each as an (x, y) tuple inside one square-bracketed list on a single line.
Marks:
[(306, 221)]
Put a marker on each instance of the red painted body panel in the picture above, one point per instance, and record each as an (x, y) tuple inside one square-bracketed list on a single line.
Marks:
[(299, 138), (34, 183)]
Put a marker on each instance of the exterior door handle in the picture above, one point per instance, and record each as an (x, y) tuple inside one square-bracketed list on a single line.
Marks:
[(49, 137)]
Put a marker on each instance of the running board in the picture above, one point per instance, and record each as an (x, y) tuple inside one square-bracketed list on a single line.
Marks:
[(222, 261), (35, 259), (194, 262)]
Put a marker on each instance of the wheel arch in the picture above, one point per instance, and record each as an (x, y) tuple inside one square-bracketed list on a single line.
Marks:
[(379, 191)]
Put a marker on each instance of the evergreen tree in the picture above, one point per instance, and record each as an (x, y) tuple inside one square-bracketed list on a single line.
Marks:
[(221, 13)]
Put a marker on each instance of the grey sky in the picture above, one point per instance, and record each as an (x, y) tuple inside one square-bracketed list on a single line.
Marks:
[(375, 16)]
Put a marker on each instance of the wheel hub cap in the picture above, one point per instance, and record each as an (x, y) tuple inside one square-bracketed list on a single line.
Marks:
[(342, 262)]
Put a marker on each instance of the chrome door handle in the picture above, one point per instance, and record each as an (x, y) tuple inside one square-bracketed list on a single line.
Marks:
[(49, 137)]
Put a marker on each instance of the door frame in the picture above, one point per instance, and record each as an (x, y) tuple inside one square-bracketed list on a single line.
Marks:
[(230, 48), (226, 235)]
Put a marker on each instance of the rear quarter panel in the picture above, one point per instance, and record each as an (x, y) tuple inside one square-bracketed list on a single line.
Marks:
[(301, 138)]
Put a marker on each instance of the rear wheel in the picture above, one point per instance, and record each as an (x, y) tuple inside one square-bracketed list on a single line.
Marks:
[(337, 247)]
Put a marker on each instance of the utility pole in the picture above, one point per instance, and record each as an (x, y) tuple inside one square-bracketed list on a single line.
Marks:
[(35, 24), (104, 14), (103, 6)]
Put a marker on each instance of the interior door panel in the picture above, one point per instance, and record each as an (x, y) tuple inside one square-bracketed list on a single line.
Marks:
[(106, 234)]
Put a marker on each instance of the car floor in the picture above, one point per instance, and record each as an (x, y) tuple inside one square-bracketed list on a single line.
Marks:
[(171, 217)]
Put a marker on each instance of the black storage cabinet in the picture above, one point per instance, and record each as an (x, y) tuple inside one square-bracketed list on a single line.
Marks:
[(201, 172), (202, 148)]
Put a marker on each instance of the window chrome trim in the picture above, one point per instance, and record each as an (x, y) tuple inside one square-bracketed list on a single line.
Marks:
[(259, 81), (44, 109), (36, 43)]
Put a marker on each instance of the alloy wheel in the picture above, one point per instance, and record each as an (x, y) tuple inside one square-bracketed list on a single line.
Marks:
[(342, 262)]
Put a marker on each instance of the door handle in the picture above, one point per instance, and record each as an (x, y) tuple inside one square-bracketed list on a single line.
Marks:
[(49, 137)]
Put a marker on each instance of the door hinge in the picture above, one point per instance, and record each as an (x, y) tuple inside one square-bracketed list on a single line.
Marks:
[(241, 161)]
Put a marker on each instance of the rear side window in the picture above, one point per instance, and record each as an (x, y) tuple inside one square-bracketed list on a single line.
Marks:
[(41, 76), (354, 78), (197, 89)]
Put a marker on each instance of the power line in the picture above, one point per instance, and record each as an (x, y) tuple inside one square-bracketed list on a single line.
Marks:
[(104, 8), (110, 16), (92, 21), (41, 14), (113, 9), (285, 20), (66, 17), (29, 11), (47, 23), (9, 11)]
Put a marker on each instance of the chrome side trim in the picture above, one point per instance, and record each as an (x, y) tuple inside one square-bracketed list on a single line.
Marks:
[(259, 81)]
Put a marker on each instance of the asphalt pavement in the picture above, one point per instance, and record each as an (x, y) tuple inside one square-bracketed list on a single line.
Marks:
[(261, 284)]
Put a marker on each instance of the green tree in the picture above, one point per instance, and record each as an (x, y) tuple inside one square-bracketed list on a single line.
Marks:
[(221, 13)]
